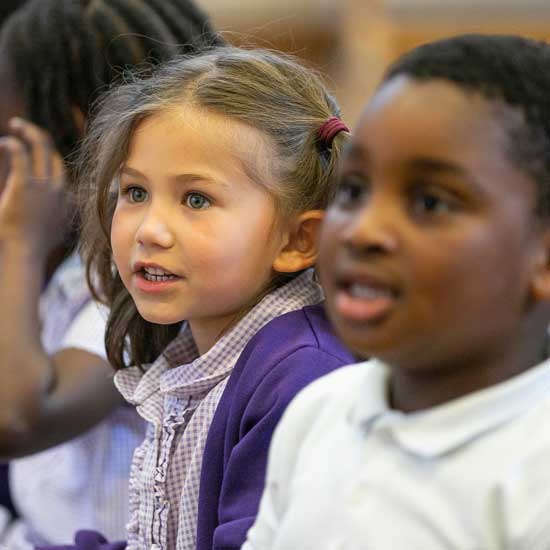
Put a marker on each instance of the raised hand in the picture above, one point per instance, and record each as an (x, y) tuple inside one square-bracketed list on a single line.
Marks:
[(33, 202)]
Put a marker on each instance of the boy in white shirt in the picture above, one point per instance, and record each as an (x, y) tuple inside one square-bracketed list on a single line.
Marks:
[(435, 258)]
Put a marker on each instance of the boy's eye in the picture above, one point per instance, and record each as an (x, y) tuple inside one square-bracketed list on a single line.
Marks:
[(427, 202), (196, 201), (136, 194), (349, 192)]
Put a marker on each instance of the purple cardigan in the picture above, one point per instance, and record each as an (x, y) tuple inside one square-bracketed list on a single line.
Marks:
[(282, 358)]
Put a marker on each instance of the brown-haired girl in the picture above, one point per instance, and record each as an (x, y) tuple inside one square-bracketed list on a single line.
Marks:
[(207, 189)]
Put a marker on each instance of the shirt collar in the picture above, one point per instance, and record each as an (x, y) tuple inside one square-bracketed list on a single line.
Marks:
[(180, 372), (447, 427)]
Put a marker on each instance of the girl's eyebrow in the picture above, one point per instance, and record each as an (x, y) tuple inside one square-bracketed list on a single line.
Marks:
[(131, 171), (193, 178), (179, 178)]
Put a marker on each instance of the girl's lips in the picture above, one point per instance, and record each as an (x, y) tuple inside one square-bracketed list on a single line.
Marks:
[(151, 268), (154, 286), (363, 303)]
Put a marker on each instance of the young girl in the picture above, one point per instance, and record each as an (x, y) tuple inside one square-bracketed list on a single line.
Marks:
[(56, 56), (435, 257), (208, 187)]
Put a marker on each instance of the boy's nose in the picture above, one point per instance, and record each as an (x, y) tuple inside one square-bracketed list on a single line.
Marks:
[(155, 230), (372, 230)]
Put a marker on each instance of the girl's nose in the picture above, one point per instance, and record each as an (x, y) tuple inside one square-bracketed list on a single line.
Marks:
[(372, 229), (155, 230)]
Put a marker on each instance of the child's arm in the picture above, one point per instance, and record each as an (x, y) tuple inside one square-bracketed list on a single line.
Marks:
[(287, 441), (244, 472), (520, 503), (43, 400)]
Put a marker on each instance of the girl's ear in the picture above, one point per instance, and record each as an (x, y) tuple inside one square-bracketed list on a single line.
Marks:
[(299, 249), (540, 284)]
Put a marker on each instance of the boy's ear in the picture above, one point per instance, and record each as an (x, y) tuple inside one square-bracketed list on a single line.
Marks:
[(541, 280), (299, 249)]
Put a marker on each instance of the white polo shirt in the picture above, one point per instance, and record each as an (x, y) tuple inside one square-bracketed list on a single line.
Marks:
[(347, 473)]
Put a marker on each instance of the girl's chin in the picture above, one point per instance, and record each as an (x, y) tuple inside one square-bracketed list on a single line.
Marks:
[(157, 318)]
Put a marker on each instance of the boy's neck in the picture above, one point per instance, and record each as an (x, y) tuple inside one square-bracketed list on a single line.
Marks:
[(413, 390)]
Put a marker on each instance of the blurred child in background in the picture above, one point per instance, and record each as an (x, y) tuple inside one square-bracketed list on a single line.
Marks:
[(56, 56), (6, 505)]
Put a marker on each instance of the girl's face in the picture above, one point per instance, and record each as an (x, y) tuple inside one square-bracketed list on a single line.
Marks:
[(428, 252), (193, 235)]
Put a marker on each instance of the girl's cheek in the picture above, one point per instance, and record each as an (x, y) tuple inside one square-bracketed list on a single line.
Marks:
[(120, 240), (120, 226)]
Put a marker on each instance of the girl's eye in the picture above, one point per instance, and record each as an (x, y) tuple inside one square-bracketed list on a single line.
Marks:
[(349, 192), (197, 201), (136, 194)]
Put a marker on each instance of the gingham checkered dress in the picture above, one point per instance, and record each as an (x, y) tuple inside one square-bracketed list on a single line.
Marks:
[(178, 395)]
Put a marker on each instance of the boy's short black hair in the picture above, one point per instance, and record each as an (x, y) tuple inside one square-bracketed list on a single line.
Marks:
[(512, 70)]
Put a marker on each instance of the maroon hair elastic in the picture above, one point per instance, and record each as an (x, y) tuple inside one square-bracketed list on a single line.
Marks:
[(329, 130)]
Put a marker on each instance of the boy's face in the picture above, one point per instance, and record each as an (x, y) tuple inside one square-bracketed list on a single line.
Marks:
[(429, 250)]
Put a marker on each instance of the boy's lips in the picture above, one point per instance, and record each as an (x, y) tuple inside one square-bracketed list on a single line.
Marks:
[(363, 298)]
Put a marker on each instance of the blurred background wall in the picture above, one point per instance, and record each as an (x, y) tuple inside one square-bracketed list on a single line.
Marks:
[(352, 41)]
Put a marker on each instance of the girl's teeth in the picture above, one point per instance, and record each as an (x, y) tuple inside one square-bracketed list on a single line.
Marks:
[(157, 275), (157, 278), (156, 271), (367, 292)]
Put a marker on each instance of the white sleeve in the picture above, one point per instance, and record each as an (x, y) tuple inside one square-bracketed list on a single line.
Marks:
[(523, 500), (261, 536), (286, 444), (87, 331)]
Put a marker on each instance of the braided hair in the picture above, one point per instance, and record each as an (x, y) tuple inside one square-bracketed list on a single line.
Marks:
[(505, 69), (64, 53), (7, 7)]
